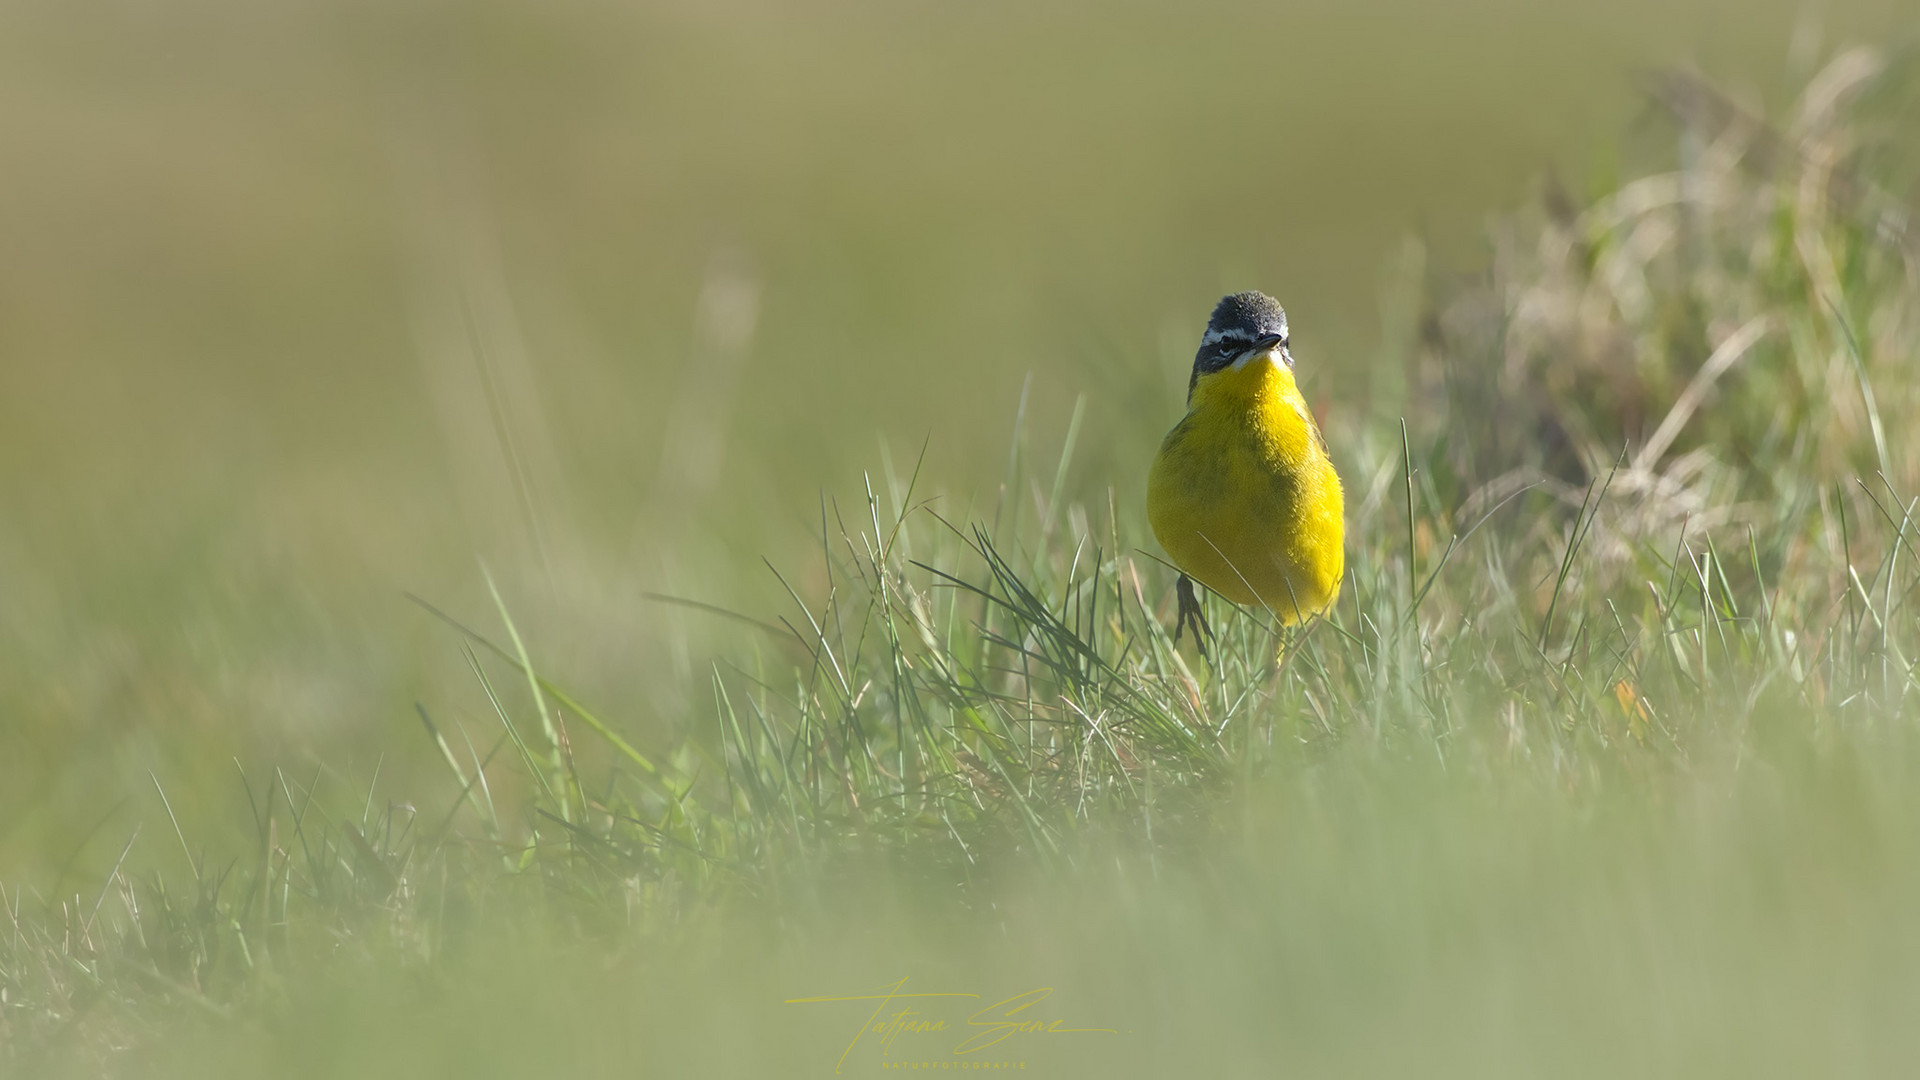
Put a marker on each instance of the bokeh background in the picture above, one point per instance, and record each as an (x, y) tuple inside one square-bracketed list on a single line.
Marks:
[(307, 306)]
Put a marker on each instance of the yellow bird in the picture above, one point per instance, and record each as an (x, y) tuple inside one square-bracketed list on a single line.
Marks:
[(1242, 494)]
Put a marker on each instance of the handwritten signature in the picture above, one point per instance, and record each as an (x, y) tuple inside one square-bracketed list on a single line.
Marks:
[(988, 1026)]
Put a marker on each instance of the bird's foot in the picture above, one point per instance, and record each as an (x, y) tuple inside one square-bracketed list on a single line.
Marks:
[(1190, 613)]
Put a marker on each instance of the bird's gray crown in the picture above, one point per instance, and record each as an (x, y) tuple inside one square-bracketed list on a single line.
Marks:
[(1245, 318)]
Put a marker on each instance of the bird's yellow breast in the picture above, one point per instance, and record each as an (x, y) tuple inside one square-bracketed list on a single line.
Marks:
[(1243, 496)]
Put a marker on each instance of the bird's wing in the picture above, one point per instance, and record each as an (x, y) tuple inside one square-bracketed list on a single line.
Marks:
[(1306, 415)]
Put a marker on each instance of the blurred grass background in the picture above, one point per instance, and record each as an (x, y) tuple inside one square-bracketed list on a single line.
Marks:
[(307, 306)]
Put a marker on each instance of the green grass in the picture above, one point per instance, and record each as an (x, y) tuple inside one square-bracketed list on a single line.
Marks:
[(1603, 764)]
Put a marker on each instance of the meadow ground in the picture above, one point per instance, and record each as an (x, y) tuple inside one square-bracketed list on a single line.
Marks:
[(1604, 763)]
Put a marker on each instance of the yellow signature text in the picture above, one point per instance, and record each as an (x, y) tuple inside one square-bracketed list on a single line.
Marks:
[(897, 1011)]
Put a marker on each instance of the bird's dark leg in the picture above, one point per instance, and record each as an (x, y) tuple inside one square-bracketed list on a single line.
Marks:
[(1190, 613)]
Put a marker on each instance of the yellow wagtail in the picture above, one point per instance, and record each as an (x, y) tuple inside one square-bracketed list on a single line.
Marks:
[(1242, 494)]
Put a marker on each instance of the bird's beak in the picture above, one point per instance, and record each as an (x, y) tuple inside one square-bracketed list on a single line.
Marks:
[(1275, 346)]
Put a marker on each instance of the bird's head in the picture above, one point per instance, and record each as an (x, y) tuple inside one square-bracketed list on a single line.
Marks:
[(1245, 326)]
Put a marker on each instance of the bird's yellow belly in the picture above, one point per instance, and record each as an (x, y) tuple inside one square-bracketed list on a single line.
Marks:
[(1250, 513)]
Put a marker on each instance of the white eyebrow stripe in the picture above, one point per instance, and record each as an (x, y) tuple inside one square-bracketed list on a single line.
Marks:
[(1215, 337)]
